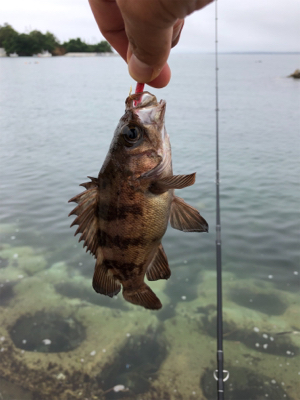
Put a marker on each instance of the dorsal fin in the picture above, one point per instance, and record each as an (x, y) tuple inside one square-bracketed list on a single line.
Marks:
[(159, 267), (89, 185), (185, 217), (103, 281), (86, 212)]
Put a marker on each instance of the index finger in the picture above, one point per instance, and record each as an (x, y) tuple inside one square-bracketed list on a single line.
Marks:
[(111, 25)]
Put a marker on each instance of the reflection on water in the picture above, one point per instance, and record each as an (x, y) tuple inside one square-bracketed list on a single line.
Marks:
[(58, 338)]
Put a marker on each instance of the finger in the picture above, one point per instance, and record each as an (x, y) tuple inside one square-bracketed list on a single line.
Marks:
[(177, 29), (149, 46), (162, 79), (111, 24), (150, 32), (165, 75)]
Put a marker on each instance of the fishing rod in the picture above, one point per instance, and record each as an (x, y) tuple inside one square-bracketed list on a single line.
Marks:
[(218, 373)]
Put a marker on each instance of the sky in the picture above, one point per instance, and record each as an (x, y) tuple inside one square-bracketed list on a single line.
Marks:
[(255, 25)]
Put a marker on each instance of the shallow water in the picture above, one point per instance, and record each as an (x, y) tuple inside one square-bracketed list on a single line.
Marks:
[(56, 122)]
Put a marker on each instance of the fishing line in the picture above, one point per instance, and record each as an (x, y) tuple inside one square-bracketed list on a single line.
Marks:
[(218, 373)]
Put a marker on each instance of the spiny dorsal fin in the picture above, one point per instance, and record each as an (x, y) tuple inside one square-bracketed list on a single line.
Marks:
[(89, 185), (185, 217), (81, 196), (103, 282), (86, 212), (159, 267), (172, 182), (143, 296)]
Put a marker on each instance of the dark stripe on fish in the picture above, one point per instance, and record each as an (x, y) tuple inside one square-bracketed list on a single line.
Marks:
[(106, 240), (123, 271), (111, 212)]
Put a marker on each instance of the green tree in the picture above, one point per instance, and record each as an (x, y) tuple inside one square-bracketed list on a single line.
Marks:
[(50, 42), (76, 45), (24, 45), (102, 47), (35, 42), (43, 41), (7, 37), (6, 32)]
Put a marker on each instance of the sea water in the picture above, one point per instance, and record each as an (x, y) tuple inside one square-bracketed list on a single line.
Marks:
[(57, 118)]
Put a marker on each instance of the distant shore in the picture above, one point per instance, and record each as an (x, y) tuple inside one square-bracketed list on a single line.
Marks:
[(90, 55), (46, 54)]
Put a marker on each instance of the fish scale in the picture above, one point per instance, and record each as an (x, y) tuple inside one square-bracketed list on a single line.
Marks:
[(123, 214)]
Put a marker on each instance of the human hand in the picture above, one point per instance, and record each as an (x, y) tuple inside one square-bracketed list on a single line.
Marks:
[(143, 33)]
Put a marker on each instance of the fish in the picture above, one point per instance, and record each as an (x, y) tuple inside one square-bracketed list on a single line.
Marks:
[(123, 214)]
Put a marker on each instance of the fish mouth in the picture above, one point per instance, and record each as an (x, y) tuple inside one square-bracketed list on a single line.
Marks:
[(140, 100), (146, 107)]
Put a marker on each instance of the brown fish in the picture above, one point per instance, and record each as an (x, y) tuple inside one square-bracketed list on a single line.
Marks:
[(123, 214)]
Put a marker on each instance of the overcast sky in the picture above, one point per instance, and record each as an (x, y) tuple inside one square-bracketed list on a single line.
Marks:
[(255, 25)]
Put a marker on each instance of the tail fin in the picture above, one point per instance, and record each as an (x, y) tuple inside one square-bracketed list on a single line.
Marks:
[(143, 296)]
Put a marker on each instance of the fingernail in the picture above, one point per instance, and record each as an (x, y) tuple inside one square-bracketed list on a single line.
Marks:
[(139, 71)]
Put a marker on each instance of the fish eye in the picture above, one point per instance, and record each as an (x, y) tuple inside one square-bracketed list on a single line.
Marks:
[(131, 134)]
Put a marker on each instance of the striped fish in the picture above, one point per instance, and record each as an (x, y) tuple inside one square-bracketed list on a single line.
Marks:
[(123, 214)]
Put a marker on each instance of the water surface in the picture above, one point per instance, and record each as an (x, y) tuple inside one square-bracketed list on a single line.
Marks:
[(56, 122)]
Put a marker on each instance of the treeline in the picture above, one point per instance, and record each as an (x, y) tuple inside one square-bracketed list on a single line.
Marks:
[(34, 42)]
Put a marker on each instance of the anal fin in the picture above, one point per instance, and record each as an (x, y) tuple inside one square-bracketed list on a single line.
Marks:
[(185, 217), (103, 282), (159, 267), (172, 182)]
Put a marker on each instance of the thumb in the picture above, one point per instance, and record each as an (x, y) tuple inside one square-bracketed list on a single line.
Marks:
[(150, 35), (147, 54)]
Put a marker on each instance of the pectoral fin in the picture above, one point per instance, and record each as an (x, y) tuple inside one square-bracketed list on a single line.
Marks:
[(172, 182), (186, 218), (159, 267), (86, 215), (103, 282)]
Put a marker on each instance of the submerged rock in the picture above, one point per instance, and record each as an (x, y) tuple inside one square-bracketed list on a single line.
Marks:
[(47, 333), (244, 384), (79, 290), (21, 260), (267, 303), (135, 365), (3, 262), (6, 293)]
